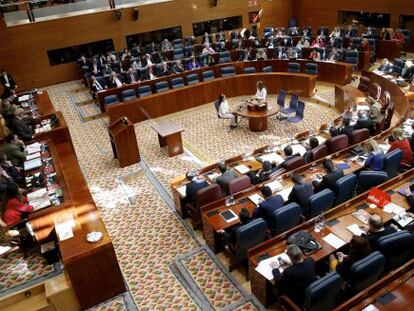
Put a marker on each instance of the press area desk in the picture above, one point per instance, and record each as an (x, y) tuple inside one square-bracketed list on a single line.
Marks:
[(341, 215), (339, 73), (92, 267), (194, 95)]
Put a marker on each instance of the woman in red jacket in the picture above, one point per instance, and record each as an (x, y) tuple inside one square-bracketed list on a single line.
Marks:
[(400, 142), (14, 207)]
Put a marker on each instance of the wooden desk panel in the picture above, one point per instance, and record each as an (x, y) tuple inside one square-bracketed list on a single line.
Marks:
[(44, 103), (388, 49)]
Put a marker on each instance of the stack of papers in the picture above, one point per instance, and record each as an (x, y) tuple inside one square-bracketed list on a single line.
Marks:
[(272, 158), (334, 241), (39, 199), (384, 147), (256, 198), (32, 164), (182, 190), (242, 169), (264, 266), (212, 176), (4, 249), (33, 148), (393, 208), (275, 186), (403, 219), (33, 156), (355, 229), (23, 98), (298, 149), (320, 139), (285, 193)]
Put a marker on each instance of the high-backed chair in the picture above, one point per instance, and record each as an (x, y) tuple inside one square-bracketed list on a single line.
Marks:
[(345, 188), (224, 57), (208, 75), (111, 100), (320, 202), (128, 94), (357, 136), (267, 69), (285, 218), (365, 272), (352, 57), (390, 113), (192, 78), (375, 91), (238, 184), (281, 99), (300, 109), (162, 86), (247, 236), (294, 99), (321, 295), (293, 67), (364, 83), (398, 65), (249, 70), (337, 143), (311, 68), (392, 162), (369, 179), (144, 90), (178, 53), (204, 196), (398, 248), (379, 125), (293, 163), (386, 101), (319, 152), (228, 71), (177, 82)]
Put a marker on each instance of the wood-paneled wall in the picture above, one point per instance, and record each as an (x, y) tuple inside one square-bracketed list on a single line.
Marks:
[(23, 49)]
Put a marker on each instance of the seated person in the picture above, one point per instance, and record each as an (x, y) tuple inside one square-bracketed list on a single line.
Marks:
[(347, 128), (334, 55), (261, 54), (193, 64), (288, 151), (193, 187), (229, 236), (224, 111), (208, 50), (402, 143), (315, 55), (375, 160), (329, 180), (303, 43), (376, 230), (364, 122), (358, 248), (375, 108), (14, 150), (262, 175), (301, 192), (280, 53), (386, 67), (20, 126), (266, 208), (114, 81), (261, 92), (295, 277), (291, 53), (14, 206), (407, 72), (130, 76), (313, 143), (178, 66), (164, 71), (14, 172), (97, 86), (227, 175)]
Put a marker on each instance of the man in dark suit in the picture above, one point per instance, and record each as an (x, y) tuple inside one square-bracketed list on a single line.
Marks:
[(130, 76), (20, 127), (329, 180), (288, 151), (386, 66), (8, 83), (347, 127), (193, 187), (296, 276), (376, 230), (226, 177), (301, 192), (114, 81), (266, 208), (364, 122), (313, 143)]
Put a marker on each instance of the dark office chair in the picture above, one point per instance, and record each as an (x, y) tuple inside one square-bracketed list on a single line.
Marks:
[(292, 105), (177, 82), (281, 99), (229, 71), (320, 202), (128, 95), (392, 162), (358, 135), (398, 248), (267, 69), (337, 143), (249, 70), (369, 179), (300, 109), (224, 57), (238, 184), (285, 218), (345, 188), (178, 53), (311, 68), (319, 152), (144, 90), (162, 86), (192, 78), (208, 75), (111, 100), (352, 57), (293, 67)]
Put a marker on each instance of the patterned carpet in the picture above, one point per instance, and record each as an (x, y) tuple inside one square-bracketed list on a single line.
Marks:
[(116, 304)]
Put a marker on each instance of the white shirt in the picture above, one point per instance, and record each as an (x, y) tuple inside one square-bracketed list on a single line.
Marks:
[(261, 94), (118, 83), (98, 86), (224, 109), (6, 78)]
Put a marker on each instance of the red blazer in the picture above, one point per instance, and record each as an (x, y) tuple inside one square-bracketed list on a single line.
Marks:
[(405, 148), (15, 210)]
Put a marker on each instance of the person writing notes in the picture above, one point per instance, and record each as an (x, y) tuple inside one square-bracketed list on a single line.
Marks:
[(261, 92)]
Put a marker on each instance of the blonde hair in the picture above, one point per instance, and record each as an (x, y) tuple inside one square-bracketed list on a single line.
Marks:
[(398, 133), (372, 146)]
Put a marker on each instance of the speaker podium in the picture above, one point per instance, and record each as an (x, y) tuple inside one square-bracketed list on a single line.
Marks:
[(124, 142)]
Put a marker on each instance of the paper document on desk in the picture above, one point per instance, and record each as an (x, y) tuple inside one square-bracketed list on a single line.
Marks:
[(242, 169), (33, 156), (64, 230), (4, 249), (264, 266), (275, 186), (32, 164), (355, 229), (23, 98), (320, 139), (370, 308), (298, 149), (393, 208), (362, 107), (256, 198), (334, 241), (272, 158), (403, 219), (285, 193), (213, 175), (384, 147), (182, 190), (33, 148)]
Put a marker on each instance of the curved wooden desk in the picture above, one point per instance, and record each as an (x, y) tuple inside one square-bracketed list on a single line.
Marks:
[(190, 96), (258, 119)]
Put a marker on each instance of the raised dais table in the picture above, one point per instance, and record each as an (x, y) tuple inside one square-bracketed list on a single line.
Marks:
[(258, 118), (169, 134)]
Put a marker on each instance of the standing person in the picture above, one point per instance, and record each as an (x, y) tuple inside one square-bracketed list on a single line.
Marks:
[(261, 93), (223, 110)]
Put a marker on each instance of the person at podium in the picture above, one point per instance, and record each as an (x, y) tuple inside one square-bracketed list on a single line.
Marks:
[(261, 92)]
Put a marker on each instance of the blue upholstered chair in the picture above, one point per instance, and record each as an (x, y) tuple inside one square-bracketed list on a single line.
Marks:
[(188, 51), (292, 105), (144, 90), (320, 295), (365, 272), (300, 109), (281, 99), (111, 100), (337, 143), (398, 248), (129, 94), (177, 82), (345, 188), (285, 218), (320, 202), (267, 69), (208, 75), (192, 78), (229, 71), (178, 53), (311, 68), (392, 162), (224, 57), (369, 179), (352, 57), (249, 70), (162, 86), (293, 67), (398, 65), (267, 32)]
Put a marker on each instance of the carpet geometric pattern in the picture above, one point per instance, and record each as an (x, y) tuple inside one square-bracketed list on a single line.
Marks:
[(116, 304)]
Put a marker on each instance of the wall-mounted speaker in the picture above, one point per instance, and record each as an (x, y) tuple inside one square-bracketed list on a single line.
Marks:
[(135, 14), (118, 14), (213, 3)]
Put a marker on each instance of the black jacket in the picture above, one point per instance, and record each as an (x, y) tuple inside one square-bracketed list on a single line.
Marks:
[(300, 194), (329, 181), (225, 179)]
